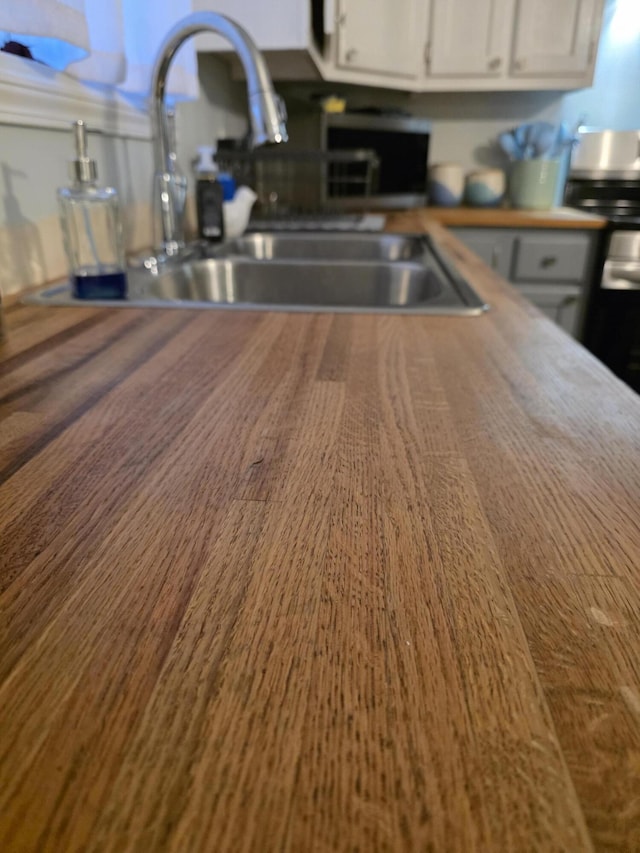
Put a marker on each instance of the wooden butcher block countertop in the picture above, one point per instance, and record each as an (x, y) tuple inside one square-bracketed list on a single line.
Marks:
[(299, 582), (494, 217)]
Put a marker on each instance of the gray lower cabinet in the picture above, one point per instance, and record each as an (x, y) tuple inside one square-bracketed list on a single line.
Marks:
[(552, 268)]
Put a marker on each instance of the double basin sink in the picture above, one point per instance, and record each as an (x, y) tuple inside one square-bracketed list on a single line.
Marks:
[(303, 271)]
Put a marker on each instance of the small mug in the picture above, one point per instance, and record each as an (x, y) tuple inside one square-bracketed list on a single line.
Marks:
[(446, 184), (485, 187)]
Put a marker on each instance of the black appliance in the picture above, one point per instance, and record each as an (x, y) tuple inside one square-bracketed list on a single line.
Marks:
[(399, 142), (605, 179)]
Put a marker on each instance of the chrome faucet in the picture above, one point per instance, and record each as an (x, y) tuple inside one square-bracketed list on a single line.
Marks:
[(266, 110)]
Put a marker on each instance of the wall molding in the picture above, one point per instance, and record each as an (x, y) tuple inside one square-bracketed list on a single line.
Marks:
[(33, 95)]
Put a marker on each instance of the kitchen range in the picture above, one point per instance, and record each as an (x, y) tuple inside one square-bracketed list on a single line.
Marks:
[(605, 179)]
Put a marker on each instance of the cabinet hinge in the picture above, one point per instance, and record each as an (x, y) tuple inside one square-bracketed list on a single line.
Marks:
[(591, 52), (427, 55)]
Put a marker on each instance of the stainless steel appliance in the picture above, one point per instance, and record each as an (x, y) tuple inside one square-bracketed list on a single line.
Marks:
[(400, 144), (605, 179)]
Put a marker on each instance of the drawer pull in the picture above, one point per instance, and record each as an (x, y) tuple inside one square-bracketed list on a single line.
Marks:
[(548, 261)]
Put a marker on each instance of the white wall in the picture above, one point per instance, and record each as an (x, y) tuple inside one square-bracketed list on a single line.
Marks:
[(221, 110), (614, 100), (33, 163)]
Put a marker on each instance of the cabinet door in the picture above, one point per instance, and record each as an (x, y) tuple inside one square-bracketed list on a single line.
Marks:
[(469, 38), (382, 36), (493, 246), (561, 303), (555, 37)]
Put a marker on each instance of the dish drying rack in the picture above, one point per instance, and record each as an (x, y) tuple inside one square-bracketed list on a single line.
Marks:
[(302, 182)]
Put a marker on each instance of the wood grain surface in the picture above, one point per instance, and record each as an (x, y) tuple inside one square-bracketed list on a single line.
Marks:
[(493, 217), (288, 582)]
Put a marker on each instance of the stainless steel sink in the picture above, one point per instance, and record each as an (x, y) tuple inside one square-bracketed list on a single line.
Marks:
[(242, 281), (393, 273)]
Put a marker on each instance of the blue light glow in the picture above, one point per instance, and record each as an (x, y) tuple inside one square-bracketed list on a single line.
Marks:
[(625, 23)]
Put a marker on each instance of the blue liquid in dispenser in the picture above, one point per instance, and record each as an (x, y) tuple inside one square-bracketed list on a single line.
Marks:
[(92, 228), (107, 285)]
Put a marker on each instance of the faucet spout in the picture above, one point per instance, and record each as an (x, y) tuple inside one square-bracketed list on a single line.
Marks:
[(266, 110)]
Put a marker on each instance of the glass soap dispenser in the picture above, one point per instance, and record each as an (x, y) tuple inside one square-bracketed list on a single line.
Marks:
[(92, 229)]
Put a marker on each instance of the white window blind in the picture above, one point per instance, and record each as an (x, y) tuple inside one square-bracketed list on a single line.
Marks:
[(108, 45)]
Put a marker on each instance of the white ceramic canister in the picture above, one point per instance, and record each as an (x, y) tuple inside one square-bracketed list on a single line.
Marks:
[(485, 187), (446, 184)]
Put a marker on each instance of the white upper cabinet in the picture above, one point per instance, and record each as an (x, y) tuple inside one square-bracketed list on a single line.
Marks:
[(468, 39), (379, 36), (422, 45), (555, 38)]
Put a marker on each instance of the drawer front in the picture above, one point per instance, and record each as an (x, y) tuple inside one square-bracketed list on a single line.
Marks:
[(551, 257)]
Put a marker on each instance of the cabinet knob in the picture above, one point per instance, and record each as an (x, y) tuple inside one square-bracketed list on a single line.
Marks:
[(518, 65), (341, 19), (351, 54), (548, 261), (494, 63)]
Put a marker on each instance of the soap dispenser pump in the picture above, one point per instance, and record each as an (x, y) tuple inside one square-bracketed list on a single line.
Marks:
[(92, 229)]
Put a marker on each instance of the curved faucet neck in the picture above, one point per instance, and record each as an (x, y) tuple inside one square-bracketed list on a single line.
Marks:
[(266, 111)]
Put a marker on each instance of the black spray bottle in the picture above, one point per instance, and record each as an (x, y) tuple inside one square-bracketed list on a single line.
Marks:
[(209, 196)]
